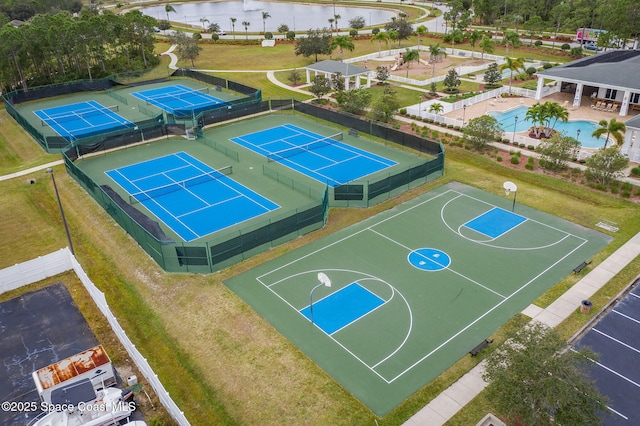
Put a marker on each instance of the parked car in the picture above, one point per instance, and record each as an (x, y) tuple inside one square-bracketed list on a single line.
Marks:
[(591, 46), (221, 32)]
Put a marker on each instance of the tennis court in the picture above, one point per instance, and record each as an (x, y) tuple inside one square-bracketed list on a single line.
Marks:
[(616, 338), (415, 288), (323, 158), (178, 99), (188, 196), (82, 119)]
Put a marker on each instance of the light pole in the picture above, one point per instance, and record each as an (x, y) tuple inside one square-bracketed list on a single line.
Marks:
[(513, 138), (510, 187), (464, 111), (64, 220), (324, 281)]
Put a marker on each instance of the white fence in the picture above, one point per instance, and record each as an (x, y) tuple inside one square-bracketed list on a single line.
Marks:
[(57, 262), (422, 109), (453, 52)]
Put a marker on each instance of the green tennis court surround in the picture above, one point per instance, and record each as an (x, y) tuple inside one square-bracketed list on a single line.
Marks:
[(415, 288)]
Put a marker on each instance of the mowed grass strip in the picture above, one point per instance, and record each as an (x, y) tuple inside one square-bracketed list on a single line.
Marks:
[(256, 373), (222, 362)]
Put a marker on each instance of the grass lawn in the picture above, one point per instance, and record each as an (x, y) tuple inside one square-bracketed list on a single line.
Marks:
[(220, 361)]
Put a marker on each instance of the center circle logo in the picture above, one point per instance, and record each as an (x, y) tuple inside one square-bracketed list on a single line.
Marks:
[(429, 259)]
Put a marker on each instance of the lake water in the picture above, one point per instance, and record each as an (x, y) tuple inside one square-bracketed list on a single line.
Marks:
[(298, 16), (570, 128)]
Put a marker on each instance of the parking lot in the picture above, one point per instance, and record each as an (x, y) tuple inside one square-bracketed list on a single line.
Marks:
[(616, 338), (36, 330)]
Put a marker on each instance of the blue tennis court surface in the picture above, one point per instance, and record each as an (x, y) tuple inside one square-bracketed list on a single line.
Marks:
[(179, 100), (616, 338), (343, 307), (323, 158), (495, 222), (190, 197), (82, 119)]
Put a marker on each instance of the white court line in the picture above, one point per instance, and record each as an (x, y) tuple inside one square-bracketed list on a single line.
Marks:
[(448, 269), (486, 243), (529, 219), (347, 350), (471, 324), (345, 147)]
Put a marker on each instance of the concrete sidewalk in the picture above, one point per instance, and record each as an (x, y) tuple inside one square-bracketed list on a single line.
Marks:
[(451, 400)]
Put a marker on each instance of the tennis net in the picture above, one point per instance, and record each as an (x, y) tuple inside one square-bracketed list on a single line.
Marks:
[(177, 95), (154, 193), (297, 150), (78, 114)]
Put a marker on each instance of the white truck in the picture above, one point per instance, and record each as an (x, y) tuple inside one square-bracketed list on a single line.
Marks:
[(93, 364)]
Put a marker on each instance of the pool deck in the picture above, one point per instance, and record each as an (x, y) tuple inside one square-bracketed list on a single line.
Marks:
[(584, 112)]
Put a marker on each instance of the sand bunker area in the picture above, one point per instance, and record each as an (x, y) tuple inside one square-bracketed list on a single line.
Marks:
[(421, 69)]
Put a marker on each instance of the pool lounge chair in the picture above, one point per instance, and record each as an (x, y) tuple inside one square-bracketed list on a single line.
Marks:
[(614, 108), (606, 107), (597, 105)]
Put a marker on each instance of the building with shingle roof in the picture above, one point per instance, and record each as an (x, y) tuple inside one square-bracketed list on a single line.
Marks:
[(348, 71), (609, 78)]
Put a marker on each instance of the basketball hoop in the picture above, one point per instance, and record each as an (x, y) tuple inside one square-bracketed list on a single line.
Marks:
[(510, 187), (324, 279)]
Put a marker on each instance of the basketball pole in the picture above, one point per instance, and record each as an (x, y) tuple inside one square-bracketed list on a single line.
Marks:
[(510, 187), (324, 281)]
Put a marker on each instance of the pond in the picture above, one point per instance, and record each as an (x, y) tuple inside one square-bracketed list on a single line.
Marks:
[(298, 16), (570, 128)]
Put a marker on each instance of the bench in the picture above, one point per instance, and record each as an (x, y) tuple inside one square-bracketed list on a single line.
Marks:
[(353, 132), (475, 351), (581, 266)]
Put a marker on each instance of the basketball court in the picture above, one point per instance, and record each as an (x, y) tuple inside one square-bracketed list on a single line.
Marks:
[(414, 289)]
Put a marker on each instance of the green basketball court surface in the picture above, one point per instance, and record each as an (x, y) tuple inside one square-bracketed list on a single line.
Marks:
[(415, 288)]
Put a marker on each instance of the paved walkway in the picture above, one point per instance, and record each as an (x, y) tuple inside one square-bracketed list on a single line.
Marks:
[(450, 401)]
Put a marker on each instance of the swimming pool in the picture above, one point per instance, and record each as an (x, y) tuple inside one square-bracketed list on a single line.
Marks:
[(570, 128)]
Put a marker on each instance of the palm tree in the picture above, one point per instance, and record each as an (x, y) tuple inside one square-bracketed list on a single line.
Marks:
[(612, 128), (380, 37), (202, 21), (393, 36), (168, 8), (331, 20), (233, 26), (411, 55), (486, 45), (536, 115), (265, 15), (510, 38), (435, 51), (546, 115), (555, 112), (512, 64), (421, 30), (336, 17), (246, 24), (436, 108), (474, 37), (343, 42)]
